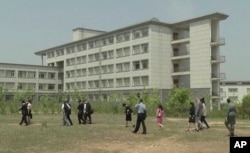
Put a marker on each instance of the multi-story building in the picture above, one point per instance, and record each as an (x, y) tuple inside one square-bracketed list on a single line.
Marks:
[(21, 77), (235, 90), (148, 55)]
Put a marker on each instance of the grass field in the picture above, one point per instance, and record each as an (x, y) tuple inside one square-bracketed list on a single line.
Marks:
[(108, 134)]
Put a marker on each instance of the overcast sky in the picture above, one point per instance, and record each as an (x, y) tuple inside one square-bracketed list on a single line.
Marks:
[(28, 26)]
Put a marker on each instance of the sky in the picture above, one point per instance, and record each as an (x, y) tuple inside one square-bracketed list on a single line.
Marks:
[(28, 26)]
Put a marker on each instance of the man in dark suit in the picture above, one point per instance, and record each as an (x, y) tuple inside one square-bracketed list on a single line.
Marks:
[(24, 113), (80, 111), (87, 111)]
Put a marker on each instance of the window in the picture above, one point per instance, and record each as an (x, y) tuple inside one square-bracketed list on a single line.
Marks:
[(144, 64), (136, 81), (119, 82), (91, 71), (136, 34), (119, 67), (136, 49), (119, 52), (96, 84), (42, 75), (91, 45), (10, 73), (79, 48), (144, 48), (126, 51), (126, 66), (104, 69), (127, 82), (233, 90), (111, 54), (144, 80), (111, 68), (136, 65), (68, 50), (96, 56), (144, 32), (111, 83), (104, 83), (104, 55), (122, 37), (51, 86), (22, 74), (8, 85), (21, 86), (97, 70), (119, 38), (91, 58), (91, 84), (78, 73), (51, 75), (126, 37), (111, 40), (31, 75), (2, 73)]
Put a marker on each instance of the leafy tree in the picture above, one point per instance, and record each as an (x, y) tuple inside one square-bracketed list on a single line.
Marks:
[(2, 93), (245, 107), (179, 99)]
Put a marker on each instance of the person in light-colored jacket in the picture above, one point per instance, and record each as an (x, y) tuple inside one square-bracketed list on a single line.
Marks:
[(198, 113), (204, 113)]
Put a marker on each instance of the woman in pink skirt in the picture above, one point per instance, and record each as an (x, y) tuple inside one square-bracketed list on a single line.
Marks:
[(160, 114)]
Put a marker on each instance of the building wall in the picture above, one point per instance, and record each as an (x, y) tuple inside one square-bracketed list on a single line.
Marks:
[(235, 90), (20, 78), (200, 54), (160, 58)]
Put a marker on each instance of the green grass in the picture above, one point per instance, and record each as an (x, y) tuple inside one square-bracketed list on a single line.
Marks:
[(107, 134)]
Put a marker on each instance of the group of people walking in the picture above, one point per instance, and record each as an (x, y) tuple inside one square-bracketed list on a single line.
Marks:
[(198, 112), (142, 115), (26, 112), (83, 114)]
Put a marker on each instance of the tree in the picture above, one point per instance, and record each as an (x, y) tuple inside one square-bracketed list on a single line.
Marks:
[(179, 99), (245, 106), (2, 93)]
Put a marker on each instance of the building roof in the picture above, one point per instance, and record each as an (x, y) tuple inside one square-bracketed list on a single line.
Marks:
[(235, 83), (25, 66)]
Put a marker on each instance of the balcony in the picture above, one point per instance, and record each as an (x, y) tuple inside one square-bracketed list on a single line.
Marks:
[(180, 38), (180, 71), (218, 59), (221, 76), (217, 42)]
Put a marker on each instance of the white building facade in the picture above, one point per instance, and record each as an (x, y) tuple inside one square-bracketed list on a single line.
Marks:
[(39, 79), (149, 55), (235, 90)]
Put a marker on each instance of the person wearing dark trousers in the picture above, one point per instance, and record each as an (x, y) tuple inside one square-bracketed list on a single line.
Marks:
[(80, 112), (204, 113), (230, 120), (141, 116), (87, 111), (67, 111), (128, 113), (24, 113)]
